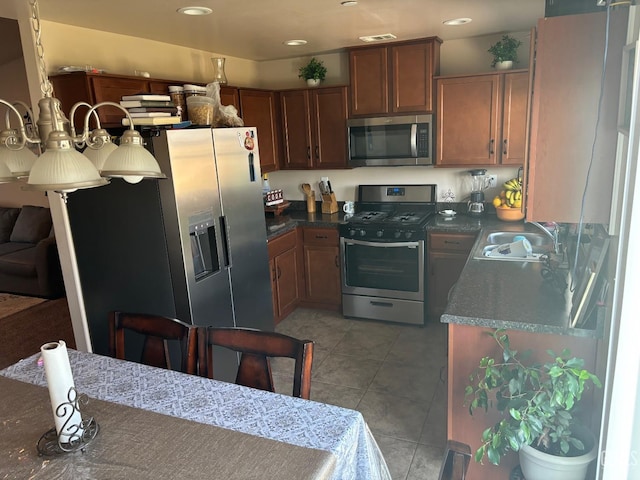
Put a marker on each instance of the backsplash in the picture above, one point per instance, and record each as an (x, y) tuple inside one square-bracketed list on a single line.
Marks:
[(454, 184)]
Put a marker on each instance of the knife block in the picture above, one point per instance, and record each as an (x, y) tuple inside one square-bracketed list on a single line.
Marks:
[(329, 203)]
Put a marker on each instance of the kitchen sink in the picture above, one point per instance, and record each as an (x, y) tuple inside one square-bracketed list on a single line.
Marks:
[(536, 239), (540, 245)]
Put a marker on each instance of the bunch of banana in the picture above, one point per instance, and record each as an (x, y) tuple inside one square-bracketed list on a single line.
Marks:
[(511, 196), (514, 184)]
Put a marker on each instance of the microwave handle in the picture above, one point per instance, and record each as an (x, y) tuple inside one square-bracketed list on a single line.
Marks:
[(414, 140)]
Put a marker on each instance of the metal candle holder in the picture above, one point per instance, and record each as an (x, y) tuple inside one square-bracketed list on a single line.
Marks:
[(78, 435)]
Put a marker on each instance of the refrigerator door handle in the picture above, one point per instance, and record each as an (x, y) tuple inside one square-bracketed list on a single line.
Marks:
[(252, 168), (225, 241)]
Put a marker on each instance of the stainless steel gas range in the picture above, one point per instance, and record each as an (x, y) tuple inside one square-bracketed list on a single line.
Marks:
[(383, 253)]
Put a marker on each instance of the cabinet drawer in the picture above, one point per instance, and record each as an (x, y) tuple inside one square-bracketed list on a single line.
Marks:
[(281, 244), (451, 242), (320, 236)]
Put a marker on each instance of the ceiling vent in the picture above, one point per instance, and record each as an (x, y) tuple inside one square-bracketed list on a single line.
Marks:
[(378, 38)]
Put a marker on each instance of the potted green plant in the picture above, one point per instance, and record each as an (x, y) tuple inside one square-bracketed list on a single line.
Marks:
[(313, 72), (537, 402), (505, 52)]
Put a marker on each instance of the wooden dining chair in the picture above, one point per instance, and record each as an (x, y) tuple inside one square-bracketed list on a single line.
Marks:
[(157, 331), (256, 347)]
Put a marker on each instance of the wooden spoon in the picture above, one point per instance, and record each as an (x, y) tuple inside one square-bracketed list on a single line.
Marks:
[(306, 188)]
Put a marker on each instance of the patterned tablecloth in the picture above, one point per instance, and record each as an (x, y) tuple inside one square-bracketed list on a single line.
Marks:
[(304, 423)]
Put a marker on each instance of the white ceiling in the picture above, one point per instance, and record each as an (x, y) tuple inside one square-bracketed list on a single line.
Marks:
[(255, 29)]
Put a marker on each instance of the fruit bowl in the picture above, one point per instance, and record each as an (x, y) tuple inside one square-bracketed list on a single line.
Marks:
[(509, 214)]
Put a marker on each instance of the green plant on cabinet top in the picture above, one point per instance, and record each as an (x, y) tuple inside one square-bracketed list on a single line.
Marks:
[(505, 50)]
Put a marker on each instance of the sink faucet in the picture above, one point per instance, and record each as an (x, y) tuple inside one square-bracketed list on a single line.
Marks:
[(550, 231)]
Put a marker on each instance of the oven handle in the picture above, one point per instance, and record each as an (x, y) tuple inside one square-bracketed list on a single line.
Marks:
[(383, 244)]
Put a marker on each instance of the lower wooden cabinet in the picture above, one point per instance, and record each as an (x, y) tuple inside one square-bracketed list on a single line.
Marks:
[(285, 274), (321, 268), (447, 255)]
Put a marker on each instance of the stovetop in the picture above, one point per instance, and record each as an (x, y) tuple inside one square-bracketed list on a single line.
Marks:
[(386, 226), (391, 212), (395, 218)]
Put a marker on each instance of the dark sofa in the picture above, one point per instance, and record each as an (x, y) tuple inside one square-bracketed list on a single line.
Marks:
[(29, 262)]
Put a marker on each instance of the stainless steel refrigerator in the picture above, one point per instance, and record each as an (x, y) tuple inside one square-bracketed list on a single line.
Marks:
[(192, 246)]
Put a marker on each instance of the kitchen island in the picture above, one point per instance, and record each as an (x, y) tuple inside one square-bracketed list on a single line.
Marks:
[(510, 295)]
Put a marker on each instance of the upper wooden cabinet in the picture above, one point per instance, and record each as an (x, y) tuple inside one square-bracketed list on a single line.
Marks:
[(314, 127), (482, 119), (564, 116), (259, 108), (230, 96), (395, 78), (92, 88)]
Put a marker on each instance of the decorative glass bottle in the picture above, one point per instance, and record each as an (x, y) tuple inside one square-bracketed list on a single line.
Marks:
[(218, 70)]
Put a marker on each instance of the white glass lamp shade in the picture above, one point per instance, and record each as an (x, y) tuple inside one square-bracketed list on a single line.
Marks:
[(5, 174), (131, 161), (62, 168), (19, 161), (99, 155)]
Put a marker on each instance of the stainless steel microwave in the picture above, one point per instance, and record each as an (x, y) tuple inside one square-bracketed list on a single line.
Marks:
[(390, 141)]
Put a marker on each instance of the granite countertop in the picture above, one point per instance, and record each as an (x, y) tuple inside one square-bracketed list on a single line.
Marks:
[(510, 295), (296, 215)]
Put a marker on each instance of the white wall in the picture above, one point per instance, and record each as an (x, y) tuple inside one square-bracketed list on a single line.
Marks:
[(122, 54)]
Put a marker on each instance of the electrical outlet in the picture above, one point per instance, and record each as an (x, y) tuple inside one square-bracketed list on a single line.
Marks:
[(492, 181)]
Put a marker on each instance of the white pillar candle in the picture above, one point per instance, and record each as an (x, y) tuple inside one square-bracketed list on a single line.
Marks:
[(60, 381)]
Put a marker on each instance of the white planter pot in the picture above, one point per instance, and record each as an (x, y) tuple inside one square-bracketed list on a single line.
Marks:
[(313, 82), (506, 65), (537, 465)]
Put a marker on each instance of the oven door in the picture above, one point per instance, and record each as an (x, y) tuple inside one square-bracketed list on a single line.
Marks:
[(380, 269)]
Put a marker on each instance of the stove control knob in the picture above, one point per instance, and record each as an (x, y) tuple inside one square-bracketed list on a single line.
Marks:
[(352, 232), (379, 233), (408, 234), (362, 233), (397, 234)]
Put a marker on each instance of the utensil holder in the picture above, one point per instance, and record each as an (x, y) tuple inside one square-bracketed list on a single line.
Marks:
[(311, 202), (329, 203)]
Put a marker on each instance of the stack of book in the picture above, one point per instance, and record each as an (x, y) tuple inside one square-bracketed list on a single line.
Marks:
[(150, 109)]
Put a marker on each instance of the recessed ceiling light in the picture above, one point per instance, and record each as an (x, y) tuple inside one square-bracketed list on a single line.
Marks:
[(349, 3), (195, 10), (295, 42), (457, 21)]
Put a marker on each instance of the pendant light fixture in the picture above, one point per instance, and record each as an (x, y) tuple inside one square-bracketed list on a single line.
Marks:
[(61, 167)]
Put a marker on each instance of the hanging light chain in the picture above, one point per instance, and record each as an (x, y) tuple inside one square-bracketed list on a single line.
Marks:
[(45, 84)]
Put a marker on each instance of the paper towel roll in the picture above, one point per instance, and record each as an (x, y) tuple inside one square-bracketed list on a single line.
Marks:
[(60, 381)]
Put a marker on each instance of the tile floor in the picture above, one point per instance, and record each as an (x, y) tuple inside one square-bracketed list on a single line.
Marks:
[(394, 374)]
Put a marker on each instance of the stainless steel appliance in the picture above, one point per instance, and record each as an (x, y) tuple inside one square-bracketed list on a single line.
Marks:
[(390, 141), (383, 253), (192, 246), (476, 197)]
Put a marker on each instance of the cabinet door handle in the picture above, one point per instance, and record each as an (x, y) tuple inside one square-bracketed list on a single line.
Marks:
[(491, 142), (336, 262), (322, 237), (308, 153), (279, 272), (317, 152), (504, 150), (452, 242), (275, 276)]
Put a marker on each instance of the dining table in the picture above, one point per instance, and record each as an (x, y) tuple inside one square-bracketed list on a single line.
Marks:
[(158, 423)]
